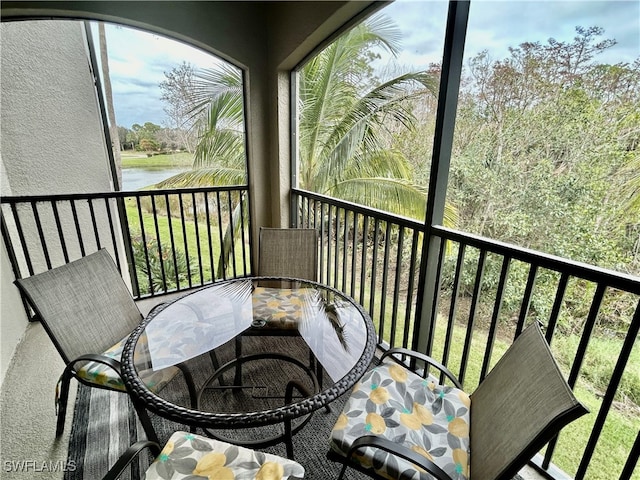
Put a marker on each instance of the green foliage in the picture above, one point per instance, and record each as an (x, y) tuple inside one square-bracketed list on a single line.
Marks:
[(161, 268)]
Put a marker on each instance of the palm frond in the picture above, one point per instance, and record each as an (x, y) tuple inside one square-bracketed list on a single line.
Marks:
[(205, 177)]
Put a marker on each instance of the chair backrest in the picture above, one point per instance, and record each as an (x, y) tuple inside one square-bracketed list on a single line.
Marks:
[(84, 306), (521, 404), (289, 252)]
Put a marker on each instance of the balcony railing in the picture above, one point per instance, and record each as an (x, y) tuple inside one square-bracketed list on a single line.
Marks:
[(169, 240), (485, 292)]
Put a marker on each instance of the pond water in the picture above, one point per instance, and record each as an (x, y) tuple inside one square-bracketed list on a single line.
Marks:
[(135, 178)]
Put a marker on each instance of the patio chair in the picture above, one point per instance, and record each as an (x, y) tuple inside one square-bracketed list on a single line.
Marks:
[(288, 252), (86, 309), (186, 455), (397, 424), (283, 252)]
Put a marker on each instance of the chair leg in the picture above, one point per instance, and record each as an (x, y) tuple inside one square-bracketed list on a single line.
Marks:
[(191, 386), (65, 381), (145, 421), (237, 381), (344, 469)]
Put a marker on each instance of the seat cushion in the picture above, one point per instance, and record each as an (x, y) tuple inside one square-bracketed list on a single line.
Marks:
[(393, 402), (101, 374), (186, 454), (281, 308)]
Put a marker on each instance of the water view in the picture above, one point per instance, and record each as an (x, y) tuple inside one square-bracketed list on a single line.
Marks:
[(135, 178)]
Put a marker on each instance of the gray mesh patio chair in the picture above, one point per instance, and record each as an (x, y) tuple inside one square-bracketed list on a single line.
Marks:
[(288, 252), (189, 456), (397, 424), (283, 252), (86, 309)]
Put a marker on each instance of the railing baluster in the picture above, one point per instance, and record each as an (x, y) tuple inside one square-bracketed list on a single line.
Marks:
[(74, 212), (374, 273), (23, 242), (242, 234), (345, 249), (354, 253), (396, 287), (454, 305), (63, 244), (526, 299), (385, 279), (144, 244), (232, 229), (209, 237), (557, 305), (436, 303), (410, 287), (173, 242), (43, 243), (365, 247), (323, 234), (158, 242), (94, 223), (497, 307), (222, 266), (185, 240), (112, 231), (472, 315), (197, 228), (632, 460), (329, 242)]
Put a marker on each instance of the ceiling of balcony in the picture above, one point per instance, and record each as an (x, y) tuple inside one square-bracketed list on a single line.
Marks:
[(245, 33)]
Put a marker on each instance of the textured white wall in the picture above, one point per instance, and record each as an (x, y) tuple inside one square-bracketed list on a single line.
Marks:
[(52, 137)]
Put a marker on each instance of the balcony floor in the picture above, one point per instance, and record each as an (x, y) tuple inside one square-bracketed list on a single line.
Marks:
[(27, 415)]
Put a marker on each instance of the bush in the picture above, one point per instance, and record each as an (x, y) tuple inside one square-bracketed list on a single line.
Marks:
[(159, 261)]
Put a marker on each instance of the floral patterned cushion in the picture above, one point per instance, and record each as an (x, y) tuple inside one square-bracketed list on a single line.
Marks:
[(102, 374), (280, 308), (189, 456), (393, 402)]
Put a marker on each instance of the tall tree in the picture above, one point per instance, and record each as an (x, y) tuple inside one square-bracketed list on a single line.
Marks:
[(177, 90), (108, 93)]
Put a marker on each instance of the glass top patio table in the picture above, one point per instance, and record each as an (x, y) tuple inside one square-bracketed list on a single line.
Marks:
[(337, 332)]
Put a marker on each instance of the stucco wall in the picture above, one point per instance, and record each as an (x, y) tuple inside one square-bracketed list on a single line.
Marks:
[(52, 137)]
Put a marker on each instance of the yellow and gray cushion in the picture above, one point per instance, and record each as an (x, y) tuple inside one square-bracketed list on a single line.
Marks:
[(393, 402), (101, 374), (186, 455), (280, 308)]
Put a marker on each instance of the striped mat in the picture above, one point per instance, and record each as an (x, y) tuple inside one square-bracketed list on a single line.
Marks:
[(105, 425)]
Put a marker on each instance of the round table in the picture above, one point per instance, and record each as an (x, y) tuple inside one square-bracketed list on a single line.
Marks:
[(307, 342)]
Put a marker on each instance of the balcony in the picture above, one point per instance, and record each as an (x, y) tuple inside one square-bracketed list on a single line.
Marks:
[(448, 293), (372, 256)]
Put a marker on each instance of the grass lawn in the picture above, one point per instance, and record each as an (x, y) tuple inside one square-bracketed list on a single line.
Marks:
[(140, 159), (190, 244)]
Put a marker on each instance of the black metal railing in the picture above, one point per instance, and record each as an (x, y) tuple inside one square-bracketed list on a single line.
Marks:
[(169, 240), (485, 292)]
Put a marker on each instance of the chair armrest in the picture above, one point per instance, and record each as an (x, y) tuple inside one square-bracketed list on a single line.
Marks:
[(399, 451), (128, 456), (424, 358), (99, 358)]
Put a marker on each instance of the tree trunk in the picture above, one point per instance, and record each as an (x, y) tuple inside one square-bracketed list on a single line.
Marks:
[(111, 114)]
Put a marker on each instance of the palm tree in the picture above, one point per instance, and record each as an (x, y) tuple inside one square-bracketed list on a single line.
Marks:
[(343, 127)]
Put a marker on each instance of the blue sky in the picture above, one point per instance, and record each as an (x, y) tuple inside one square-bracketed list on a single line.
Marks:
[(138, 60)]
